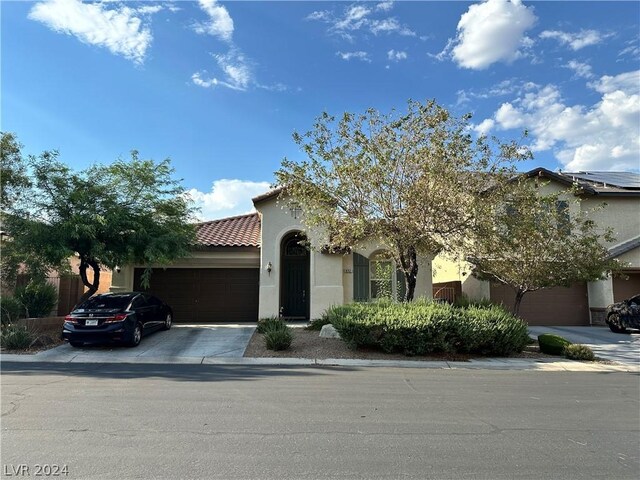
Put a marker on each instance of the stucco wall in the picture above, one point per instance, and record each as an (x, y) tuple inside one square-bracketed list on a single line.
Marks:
[(631, 258), (325, 270), (331, 275)]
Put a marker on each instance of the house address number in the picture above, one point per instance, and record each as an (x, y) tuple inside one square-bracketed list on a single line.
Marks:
[(347, 270)]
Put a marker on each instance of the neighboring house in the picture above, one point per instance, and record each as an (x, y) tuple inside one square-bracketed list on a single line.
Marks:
[(257, 265), (581, 304)]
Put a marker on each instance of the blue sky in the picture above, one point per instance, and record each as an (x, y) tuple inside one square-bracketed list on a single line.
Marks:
[(219, 87)]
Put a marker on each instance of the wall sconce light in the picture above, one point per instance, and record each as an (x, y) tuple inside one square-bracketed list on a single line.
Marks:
[(269, 268), (118, 269)]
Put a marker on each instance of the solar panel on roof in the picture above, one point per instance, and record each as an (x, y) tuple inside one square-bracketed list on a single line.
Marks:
[(614, 179)]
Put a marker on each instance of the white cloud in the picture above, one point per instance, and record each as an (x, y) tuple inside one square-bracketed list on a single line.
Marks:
[(227, 198), (358, 17), (505, 87), (581, 69), (360, 55), (485, 126), (576, 41), (149, 9), (119, 29), (390, 25), (384, 6), (220, 23), (628, 82), (319, 15), (603, 136), (396, 56), (490, 32), (237, 72), (632, 49)]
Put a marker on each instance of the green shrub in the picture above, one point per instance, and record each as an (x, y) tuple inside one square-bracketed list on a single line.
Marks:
[(38, 298), (278, 339), (318, 323), (552, 344), (576, 351), (463, 301), (14, 337), (270, 323), (10, 310), (420, 328)]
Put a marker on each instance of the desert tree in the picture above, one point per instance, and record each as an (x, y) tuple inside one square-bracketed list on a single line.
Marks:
[(107, 215), (530, 240), (408, 180)]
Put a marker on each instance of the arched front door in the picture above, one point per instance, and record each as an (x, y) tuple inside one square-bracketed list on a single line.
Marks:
[(294, 277)]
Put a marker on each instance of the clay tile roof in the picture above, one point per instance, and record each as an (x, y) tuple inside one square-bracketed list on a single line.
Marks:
[(239, 231), (266, 196)]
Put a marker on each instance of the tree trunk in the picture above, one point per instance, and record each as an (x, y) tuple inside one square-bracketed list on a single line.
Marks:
[(91, 287), (409, 263), (516, 305)]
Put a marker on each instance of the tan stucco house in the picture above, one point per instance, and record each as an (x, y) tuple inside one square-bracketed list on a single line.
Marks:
[(258, 265), (581, 304)]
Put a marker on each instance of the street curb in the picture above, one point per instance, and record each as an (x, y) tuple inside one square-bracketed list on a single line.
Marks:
[(485, 364)]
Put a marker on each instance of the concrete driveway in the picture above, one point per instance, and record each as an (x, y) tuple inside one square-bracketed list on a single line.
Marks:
[(182, 344), (624, 348)]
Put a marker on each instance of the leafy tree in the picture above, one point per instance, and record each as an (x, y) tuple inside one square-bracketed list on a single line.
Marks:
[(14, 182), (409, 180), (13, 179), (532, 241), (108, 215)]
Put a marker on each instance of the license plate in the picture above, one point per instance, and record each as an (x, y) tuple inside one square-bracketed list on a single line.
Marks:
[(91, 323)]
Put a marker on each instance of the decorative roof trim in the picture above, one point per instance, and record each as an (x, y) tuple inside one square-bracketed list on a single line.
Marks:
[(624, 247), (268, 195)]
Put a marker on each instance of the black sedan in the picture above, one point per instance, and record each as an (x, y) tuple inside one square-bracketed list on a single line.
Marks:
[(116, 317), (623, 315)]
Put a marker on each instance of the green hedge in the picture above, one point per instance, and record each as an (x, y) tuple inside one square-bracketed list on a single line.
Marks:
[(420, 328), (552, 344)]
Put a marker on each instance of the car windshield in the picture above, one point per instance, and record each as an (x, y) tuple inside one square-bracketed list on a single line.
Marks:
[(106, 301)]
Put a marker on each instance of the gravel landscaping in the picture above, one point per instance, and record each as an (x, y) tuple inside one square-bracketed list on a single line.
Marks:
[(309, 344)]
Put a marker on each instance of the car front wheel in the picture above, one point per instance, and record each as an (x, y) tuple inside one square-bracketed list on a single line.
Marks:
[(167, 322), (136, 336), (614, 324)]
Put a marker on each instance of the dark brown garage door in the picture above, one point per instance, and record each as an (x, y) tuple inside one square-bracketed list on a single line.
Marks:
[(555, 306), (626, 288), (206, 294)]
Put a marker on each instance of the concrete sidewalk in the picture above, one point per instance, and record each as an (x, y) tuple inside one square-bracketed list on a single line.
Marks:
[(559, 365), (224, 344)]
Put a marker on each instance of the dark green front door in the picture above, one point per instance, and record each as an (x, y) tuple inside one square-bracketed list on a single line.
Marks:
[(294, 293)]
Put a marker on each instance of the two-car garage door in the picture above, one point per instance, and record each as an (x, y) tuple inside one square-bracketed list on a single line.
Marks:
[(206, 294)]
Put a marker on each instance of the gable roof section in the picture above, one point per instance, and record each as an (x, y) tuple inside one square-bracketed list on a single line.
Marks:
[(595, 183), (238, 231)]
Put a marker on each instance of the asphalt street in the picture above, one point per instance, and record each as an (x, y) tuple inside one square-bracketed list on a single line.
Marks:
[(120, 421)]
